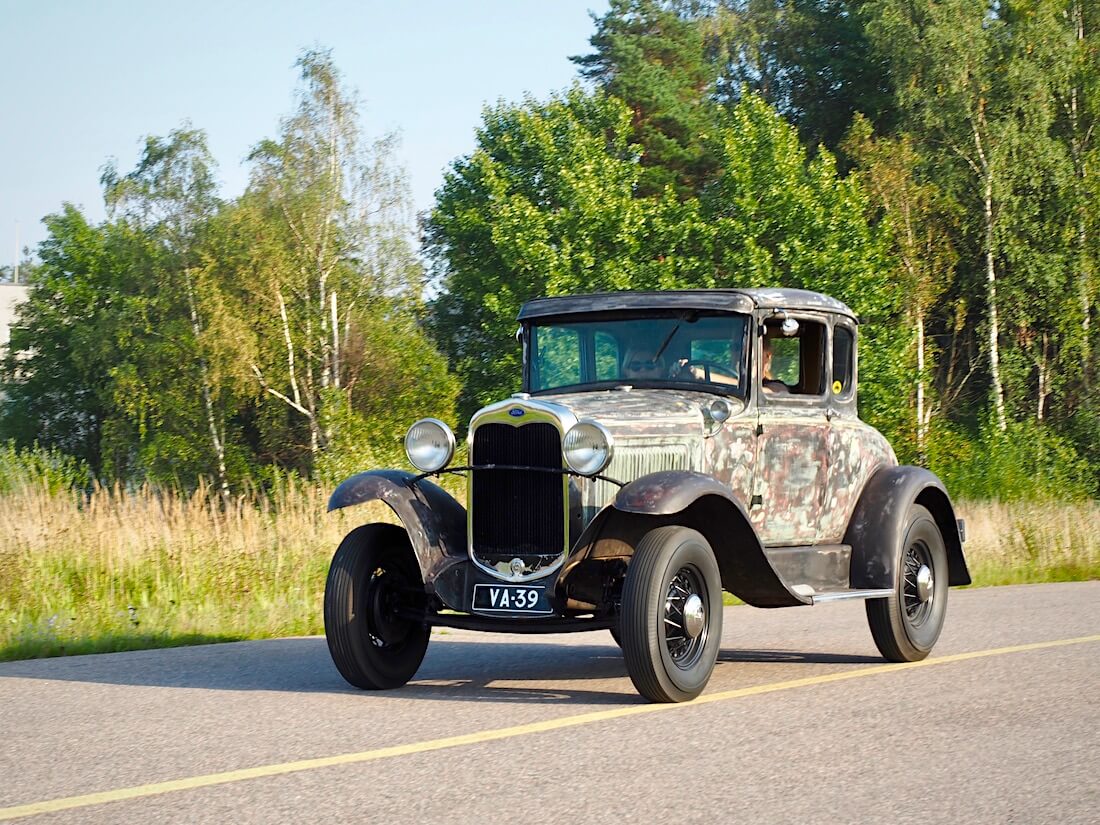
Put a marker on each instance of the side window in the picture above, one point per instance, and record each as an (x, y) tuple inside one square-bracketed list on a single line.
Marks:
[(794, 364), (558, 362), (786, 361), (843, 364), (607, 356)]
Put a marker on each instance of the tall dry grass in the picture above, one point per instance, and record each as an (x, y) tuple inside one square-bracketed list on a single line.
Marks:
[(1029, 542), (123, 570)]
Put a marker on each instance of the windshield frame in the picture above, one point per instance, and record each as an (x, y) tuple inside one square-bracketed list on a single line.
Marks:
[(740, 390)]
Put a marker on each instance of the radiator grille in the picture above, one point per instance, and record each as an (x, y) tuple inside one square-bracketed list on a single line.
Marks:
[(516, 512)]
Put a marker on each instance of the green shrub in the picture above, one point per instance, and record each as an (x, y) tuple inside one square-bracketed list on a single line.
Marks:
[(39, 468), (1026, 461)]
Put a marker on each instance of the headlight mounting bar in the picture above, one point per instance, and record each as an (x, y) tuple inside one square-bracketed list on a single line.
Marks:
[(564, 471)]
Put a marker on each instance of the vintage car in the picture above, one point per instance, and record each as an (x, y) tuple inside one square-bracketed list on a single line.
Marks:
[(666, 446)]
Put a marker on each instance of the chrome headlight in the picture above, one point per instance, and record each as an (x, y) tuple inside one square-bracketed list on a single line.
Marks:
[(587, 448), (429, 444), (720, 410)]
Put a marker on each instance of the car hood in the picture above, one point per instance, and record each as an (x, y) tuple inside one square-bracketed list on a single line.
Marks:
[(654, 430), (639, 412), (636, 410)]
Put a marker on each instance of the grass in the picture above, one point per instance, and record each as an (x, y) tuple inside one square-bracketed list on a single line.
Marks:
[(1032, 542), (122, 570)]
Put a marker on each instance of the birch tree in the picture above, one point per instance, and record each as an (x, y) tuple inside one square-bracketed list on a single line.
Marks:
[(921, 221), (1045, 209), (976, 105), (330, 226), (170, 196), (1072, 32)]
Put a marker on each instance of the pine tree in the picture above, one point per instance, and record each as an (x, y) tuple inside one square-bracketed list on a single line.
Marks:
[(655, 57)]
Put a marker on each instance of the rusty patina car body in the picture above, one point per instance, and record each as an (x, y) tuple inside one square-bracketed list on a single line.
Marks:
[(716, 473)]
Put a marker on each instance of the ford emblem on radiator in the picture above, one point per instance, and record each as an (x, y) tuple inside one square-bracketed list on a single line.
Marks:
[(515, 412)]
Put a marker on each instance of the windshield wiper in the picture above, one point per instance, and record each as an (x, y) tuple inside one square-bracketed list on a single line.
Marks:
[(660, 351)]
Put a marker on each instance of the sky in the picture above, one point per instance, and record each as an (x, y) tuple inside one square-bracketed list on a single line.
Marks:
[(84, 82)]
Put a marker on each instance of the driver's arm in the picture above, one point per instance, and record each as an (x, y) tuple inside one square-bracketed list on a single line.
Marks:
[(700, 374), (718, 378)]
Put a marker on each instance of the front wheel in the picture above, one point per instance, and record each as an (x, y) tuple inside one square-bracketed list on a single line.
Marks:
[(671, 622), (906, 625), (373, 574)]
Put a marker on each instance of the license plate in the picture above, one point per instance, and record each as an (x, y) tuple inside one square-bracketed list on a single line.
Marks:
[(511, 598)]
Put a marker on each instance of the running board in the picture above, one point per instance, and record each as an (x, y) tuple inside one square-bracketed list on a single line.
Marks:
[(840, 595)]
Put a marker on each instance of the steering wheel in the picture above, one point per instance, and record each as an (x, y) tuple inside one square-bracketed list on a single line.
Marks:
[(708, 367)]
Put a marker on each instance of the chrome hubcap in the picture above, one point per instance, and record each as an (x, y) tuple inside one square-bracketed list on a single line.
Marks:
[(694, 616), (924, 583)]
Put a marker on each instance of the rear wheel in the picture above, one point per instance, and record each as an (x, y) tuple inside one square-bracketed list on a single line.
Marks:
[(373, 574), (906, 625), (670, 628)]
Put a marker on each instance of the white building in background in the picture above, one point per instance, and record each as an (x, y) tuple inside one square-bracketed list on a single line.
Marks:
[(11, 296)]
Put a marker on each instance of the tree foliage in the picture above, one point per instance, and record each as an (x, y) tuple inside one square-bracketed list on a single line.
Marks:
[(960, 212), (56, 368), (810, 59), (330, 253), (656, 58), (548, 204), (190, 337)]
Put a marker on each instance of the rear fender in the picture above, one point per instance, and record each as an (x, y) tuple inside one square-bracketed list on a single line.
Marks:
[(434, 521), (875, 529), (691, 500)]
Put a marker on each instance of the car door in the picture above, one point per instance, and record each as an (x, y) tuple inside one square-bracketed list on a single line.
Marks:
[(856, 450), (792, 450)]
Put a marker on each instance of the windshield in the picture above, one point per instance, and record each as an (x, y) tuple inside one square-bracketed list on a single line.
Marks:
[(693, 350)]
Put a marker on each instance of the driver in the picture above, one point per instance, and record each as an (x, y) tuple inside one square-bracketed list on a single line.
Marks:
[(641, 362), (769, 382)]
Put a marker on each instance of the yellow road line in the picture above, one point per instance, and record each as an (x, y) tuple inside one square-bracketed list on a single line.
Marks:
[(156, 788)]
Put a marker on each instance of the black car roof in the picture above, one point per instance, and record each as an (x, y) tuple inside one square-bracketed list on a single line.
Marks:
[(724, 300)]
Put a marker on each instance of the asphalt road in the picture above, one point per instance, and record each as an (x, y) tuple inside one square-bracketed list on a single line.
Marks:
[(801, 721)]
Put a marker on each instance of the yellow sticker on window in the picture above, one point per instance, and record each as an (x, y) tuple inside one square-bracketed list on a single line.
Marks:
[(837, 387)]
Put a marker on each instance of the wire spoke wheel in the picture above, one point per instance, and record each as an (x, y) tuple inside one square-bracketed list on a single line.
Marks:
[(385, 590), (685, 629), (918, 592)]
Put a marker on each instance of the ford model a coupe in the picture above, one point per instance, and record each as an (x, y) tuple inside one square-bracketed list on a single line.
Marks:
[(666, 447)]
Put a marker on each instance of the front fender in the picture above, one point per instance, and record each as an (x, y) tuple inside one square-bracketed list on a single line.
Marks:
[(698, 501), (876, 527), (669, 491), (435, 522)]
